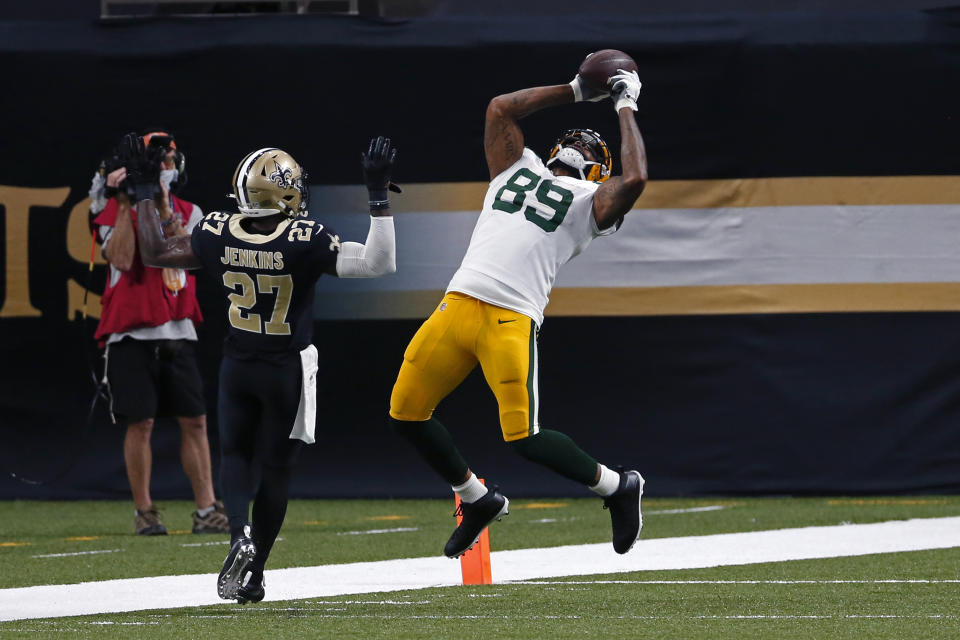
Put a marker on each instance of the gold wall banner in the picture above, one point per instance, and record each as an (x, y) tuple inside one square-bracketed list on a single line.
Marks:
[(17, 203), (792, 192), (84, 250), (785, 298), (671, 301), (442, 197), (20, 206), (768, 245)]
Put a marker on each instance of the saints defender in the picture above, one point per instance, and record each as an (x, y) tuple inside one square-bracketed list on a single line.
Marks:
[(267, 259), (536, 216)]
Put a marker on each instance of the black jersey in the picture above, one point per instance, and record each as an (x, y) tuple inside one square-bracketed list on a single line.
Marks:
[(268, 279)]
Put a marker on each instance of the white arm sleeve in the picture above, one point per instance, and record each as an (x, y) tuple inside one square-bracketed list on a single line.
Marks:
[(375, 258)]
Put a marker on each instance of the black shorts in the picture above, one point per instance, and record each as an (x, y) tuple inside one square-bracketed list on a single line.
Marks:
[(154, 378)]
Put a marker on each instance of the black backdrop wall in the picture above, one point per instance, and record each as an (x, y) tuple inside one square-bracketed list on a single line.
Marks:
[(803, 403)]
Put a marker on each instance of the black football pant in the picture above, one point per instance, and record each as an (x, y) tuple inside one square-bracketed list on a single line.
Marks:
[(257, 406)]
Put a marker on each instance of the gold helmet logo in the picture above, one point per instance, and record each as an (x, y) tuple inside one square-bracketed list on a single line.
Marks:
[(269, 181)]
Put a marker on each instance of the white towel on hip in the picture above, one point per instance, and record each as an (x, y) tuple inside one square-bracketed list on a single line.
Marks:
[(306, 421)]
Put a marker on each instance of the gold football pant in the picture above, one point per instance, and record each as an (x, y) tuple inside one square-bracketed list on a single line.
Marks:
[(461, 332)]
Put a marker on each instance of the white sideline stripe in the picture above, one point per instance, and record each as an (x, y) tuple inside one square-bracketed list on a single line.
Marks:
[(693, 552)]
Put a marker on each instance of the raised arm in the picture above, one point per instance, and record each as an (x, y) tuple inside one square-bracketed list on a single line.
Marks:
[(502, 137), (616, 196), (378, 255), (143, 172), (157, 251)]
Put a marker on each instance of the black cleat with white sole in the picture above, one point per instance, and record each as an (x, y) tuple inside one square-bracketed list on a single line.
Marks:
[(475, 518), (235, 567), (625, 515), (251, 589)]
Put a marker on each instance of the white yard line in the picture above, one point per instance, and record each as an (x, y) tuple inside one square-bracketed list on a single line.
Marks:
[(692, 552), (224, 543), (664, 512), (75, 553), (367, 532), (661, 512)]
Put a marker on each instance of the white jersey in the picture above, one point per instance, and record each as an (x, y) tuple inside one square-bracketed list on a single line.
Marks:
[(532, 222)]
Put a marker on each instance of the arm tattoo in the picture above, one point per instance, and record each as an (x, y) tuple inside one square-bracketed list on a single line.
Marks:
[(616, 196), (503, 140), (509, 140)]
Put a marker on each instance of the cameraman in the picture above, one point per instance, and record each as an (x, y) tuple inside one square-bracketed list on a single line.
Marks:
[(149, 328)]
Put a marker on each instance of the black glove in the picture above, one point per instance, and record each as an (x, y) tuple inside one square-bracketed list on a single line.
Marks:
[(377, 163), (143, 167), (130, 150)]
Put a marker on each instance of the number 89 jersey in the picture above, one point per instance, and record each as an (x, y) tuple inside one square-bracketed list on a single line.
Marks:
[(532, 222), (268, 280)]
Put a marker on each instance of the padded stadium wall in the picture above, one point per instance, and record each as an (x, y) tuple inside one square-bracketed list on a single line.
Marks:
[(778, 316)]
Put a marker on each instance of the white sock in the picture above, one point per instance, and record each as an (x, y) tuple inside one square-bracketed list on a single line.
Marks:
[(203, 512), (609, 481), (471, 490)]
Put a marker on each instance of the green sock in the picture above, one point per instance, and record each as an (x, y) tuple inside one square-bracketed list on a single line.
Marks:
[(560, 454), (435, 445)]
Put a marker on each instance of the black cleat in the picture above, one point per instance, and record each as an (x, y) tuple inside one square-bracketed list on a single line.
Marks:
[(235, 566), (252, 588), (476, 516), (625, 515)]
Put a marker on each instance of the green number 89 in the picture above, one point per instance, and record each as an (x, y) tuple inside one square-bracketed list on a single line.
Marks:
[(556, 199)]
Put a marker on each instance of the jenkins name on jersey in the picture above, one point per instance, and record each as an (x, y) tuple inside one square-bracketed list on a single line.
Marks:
[(270, 279)]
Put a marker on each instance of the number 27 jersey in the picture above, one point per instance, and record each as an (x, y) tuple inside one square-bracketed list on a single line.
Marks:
[(532, 222), (268, 280)]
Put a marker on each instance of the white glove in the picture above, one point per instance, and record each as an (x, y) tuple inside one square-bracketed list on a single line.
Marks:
[(98, 197), (626, 88), (582, 92)]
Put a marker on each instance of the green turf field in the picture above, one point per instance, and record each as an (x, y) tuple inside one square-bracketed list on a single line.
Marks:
[(902, 595)]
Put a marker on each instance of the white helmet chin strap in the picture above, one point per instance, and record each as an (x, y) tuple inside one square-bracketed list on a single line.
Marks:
[(254, 212), (573, 159)]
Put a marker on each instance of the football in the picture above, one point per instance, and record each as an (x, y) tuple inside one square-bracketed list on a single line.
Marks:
[(597, 67)]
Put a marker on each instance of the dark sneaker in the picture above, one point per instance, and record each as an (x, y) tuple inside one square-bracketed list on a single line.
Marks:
[(214, 522), (147, 523), (624, 505), (252, 588), (235, 566), (476, 516)]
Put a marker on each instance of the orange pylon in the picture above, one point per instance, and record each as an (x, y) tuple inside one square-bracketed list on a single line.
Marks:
[(475, 563)]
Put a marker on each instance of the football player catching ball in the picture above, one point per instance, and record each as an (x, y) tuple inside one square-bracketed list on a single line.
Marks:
[(536, 216)]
